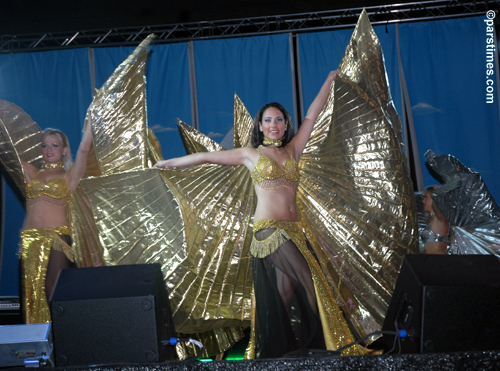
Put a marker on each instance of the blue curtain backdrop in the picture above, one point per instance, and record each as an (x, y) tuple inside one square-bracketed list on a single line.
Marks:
[(444, 64), (445, 69), (169, 95), (106, 60), (257, 69), (319, 53), (54, 89), (167, 89)]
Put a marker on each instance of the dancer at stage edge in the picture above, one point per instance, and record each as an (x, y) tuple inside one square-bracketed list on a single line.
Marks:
[(286, 310), (464, 217), (436, 235), (46, 244)]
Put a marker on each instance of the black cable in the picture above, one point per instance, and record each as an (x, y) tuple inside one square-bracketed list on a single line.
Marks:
[(396, 340)]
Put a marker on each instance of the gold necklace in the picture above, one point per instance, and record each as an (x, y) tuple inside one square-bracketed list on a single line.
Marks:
[(272, 142), (52, 165)]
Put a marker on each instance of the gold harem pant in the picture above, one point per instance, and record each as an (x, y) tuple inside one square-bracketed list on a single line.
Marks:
[(283, 268), (36, 245)]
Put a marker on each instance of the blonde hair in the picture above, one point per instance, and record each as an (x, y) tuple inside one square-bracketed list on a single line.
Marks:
[(67, 159)]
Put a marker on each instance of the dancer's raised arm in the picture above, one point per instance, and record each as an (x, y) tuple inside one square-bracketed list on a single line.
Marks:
[(300, 139), (77, 171)]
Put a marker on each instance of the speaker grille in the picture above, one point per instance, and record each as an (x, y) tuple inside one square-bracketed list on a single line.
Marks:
[(110, 315)]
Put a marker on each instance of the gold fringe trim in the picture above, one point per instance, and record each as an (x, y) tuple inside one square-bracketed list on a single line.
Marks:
[(58, 244), (261, 249), (284, 230)]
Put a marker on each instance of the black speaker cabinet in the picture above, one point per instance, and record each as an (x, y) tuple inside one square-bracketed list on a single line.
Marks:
[(111, 315), (446, 304)]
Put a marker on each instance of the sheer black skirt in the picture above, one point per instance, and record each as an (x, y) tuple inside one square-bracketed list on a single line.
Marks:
[(286, 311)]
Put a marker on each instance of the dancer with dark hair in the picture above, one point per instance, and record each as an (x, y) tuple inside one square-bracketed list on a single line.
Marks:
[(436, 235), (463, 217), (341, 229), (287, 315)]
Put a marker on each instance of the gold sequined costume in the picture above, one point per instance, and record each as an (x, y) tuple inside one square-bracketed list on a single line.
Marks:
[(290, 290), (294, 307), (55, 192), (20, 139), (267, 174), (36, 245)]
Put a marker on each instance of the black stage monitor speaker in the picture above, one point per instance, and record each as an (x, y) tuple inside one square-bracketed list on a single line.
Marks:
[(446, 304), (111, 315)]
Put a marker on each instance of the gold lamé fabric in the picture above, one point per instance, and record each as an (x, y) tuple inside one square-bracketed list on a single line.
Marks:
[(218, 203), (119, 121), (144, 215), (20, 140), (36, 245), (87, 245), (355, 195)]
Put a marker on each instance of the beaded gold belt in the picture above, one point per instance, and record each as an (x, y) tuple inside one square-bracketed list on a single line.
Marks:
[(285, 230)]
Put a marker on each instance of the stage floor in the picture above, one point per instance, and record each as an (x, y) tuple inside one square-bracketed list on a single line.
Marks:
[(485, 360)]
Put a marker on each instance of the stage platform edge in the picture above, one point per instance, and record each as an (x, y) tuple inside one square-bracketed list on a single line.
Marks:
[(484, 360)]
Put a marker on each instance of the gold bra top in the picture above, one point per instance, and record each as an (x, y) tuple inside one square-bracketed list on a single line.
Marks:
[(268, 174), (56, 189)]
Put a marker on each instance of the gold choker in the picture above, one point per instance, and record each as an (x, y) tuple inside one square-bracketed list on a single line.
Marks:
[(52, 165), (272, 142)]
